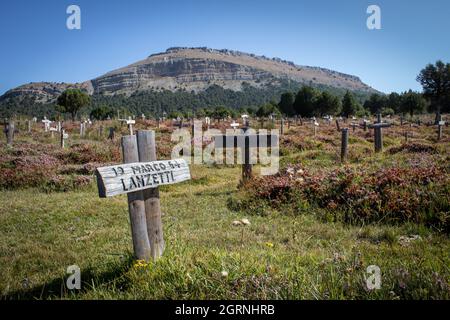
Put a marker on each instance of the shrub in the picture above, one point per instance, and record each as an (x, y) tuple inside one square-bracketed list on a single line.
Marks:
[(392, 195)]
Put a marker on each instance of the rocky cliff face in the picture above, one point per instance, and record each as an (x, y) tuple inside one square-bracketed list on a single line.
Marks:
[(45, 91), (195, 69)]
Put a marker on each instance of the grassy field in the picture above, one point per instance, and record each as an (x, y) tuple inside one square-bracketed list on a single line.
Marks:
[(285, 253)]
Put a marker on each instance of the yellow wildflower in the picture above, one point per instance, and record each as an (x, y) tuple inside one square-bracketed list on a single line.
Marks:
[(140, 264)]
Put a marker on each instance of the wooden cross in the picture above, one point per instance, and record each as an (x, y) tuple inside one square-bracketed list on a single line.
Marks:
[(46, 124), (315, 125), (63, 136), (364, 124), (245, 142), (139, 177), (130, 125), (378, 136), (234, 125), (52, 130)]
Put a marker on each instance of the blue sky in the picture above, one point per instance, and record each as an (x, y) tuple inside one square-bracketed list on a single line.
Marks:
[(37, 46)]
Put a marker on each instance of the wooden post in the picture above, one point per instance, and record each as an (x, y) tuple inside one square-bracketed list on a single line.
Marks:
[(338, 127), (136, 204), (81, 129), (406, 136), (111, 133), (61, 136), (29, 126), (130, 127), (247, 166), (344, 144), (147, 153), (440, 124), (439, 131), (10, 133), (282, 126), (378, 139)]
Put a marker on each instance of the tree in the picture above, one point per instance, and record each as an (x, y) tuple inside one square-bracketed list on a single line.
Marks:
[(376, 103), (435, 81), (349, 105), (102, 113), (286, 104), (175, 115), (304, 101), (267, 109), (71, 101), (395, 101), (326, 104), (221, 112), (412, 102)]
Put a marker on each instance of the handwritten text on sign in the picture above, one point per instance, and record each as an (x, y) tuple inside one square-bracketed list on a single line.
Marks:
[(131, 177)]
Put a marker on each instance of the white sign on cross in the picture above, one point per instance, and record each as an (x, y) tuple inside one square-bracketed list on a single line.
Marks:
[(46, 124), (131, 177)]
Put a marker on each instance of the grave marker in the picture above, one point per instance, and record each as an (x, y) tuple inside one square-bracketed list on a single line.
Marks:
[(378, 135), (315, 125), (344, 144), (82, 129), (46, 124), (63, 136), (439, 132), (111, 133), (245, 141), (338, 127), (9, 131), (52, 131), (139, 178)]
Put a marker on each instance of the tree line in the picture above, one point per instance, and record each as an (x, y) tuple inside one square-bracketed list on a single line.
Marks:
[(309, 100)]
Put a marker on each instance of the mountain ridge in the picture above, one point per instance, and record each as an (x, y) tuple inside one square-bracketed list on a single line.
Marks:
[(194, 69)]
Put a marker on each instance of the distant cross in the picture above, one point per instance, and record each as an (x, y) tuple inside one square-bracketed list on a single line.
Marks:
[(245, 142), (378, 135)]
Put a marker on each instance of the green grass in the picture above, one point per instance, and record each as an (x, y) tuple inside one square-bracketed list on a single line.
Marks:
[(42, 234), (283, 254)]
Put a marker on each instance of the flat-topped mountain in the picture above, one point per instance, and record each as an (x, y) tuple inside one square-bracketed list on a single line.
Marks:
[(196, 69)]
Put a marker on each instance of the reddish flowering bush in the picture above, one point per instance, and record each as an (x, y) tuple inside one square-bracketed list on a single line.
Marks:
[(85, 153), (45, 166), (419, 194)]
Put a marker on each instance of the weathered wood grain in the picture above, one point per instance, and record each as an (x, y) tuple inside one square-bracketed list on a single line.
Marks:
[(136, 176), (136, 205), (147, 152)]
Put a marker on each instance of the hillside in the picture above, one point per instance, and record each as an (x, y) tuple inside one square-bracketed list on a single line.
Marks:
[(191, 70)]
